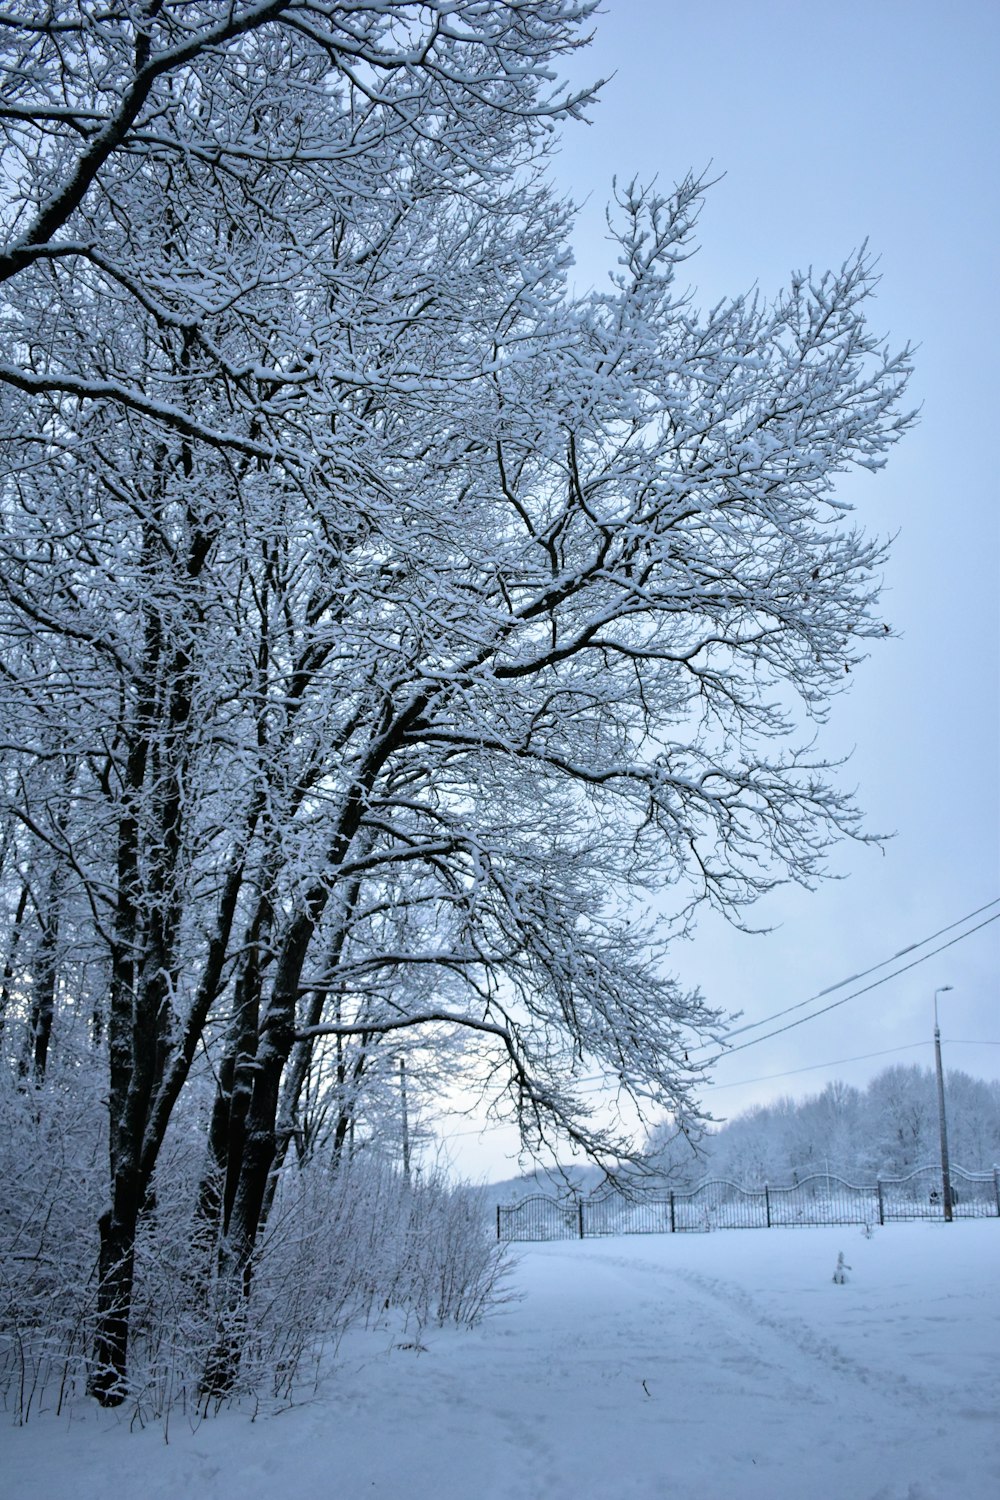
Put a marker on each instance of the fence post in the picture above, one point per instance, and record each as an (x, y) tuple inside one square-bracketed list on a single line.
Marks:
[(579, 1216), (996, 1188), (498, 1221), (767, 1204), (673, 1222), (881, 1202)]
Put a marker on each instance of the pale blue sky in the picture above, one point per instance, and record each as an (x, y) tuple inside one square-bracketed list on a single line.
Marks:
[(833, 124)]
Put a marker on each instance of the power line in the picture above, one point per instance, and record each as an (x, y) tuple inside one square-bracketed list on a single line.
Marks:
[(788, 1073), (853, 978), (766, 1077), (812, 1067), (863, 1057), (853, 995), (830, 989)]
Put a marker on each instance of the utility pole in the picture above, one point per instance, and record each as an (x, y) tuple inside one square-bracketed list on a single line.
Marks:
[(945, 1165), (406, 1123)]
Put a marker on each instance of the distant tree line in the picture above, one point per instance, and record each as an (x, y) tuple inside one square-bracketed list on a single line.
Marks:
[(886, 1129)]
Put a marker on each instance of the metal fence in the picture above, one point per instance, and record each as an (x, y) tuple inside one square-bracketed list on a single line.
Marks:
[(717, 1204)]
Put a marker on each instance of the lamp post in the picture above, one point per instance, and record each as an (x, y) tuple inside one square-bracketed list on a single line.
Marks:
[(945, 1165)]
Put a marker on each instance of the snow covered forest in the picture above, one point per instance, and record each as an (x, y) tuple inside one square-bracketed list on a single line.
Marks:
[(382, 627), (885, 1130)]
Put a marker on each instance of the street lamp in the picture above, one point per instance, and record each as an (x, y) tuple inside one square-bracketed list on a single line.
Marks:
[(945, 1166)]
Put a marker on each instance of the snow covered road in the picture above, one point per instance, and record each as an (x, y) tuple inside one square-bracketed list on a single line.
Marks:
[(695, 1367)]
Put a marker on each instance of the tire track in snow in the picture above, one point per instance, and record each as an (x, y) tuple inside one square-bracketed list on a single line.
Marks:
[(829, 1355), (760, 1330)]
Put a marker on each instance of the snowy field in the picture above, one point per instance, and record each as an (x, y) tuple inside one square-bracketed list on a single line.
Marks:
[(695, 1367)]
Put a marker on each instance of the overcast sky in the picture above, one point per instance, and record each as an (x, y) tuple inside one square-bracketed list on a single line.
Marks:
[(832, 125)]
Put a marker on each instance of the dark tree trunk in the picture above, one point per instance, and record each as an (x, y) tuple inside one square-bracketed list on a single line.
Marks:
[(10, 963), (265, 1142), (116, 1266), (259, 1149), (227, 1130), (43, 991)]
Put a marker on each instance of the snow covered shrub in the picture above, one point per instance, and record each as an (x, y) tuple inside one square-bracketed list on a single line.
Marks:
[(340, 1248), (452, 1267), (51, 1167), (361, 1241), (354, 1245)]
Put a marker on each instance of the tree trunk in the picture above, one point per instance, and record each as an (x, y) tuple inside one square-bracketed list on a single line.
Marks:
[(43, 990), (259, 1147), (227, 1129), (11, 960), (116, 1266)]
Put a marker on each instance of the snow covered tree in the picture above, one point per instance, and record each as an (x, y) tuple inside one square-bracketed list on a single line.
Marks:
[(902, 1119), (887, 1129), (973, 1106), (379, 622), (210, 220)]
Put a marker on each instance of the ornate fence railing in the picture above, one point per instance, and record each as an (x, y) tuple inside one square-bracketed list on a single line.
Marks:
[(821, 1198)]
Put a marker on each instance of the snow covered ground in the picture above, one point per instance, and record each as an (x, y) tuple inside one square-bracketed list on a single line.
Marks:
[(695, 1367)]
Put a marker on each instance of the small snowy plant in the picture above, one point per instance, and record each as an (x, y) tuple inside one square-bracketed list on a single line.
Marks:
[(840, 1274)]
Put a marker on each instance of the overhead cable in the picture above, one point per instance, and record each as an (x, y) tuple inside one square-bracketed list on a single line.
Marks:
[(853, 978), (854, 993), (812, 1067)]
